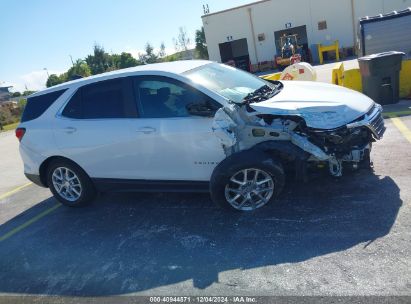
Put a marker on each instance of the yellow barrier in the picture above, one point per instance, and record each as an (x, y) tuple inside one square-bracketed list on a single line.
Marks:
[(338, 74), (275, 76), (325, 48), (405, 79), (352, 80)]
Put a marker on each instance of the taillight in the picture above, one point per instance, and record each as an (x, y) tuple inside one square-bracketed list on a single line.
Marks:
[(20, 133)]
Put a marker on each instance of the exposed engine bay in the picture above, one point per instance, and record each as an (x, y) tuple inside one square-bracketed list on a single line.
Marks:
[(240, 127)]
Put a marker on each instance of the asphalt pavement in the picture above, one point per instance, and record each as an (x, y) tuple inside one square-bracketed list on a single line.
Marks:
[(346, 236), (11, 166)]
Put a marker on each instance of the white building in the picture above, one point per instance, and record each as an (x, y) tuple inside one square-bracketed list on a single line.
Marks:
[(250, 33)]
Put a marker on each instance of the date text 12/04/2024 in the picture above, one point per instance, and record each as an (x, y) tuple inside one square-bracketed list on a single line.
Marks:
[(203, 299)]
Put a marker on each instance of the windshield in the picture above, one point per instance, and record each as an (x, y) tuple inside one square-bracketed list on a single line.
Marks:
[(232, 83)]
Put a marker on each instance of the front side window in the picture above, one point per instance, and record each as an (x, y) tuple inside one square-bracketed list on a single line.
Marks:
[(227, 81), (104, 99), (162, 97)]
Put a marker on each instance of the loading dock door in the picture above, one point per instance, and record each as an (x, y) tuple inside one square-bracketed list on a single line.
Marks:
[(302, 39), (390, 32), (236, 50)]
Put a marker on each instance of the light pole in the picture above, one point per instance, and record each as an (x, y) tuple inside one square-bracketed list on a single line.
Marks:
[(47, 71)]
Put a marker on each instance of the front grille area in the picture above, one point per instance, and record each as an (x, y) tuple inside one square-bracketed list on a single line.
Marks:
[(372, 120), (376, 125)]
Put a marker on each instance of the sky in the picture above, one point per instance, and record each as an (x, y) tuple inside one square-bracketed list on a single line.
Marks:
[(39, 34)]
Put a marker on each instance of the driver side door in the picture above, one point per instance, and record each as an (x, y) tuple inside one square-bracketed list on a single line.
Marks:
[(168, 142)]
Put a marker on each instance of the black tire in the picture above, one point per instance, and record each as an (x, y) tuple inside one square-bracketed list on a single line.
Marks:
[(87, 193), (250, 159)]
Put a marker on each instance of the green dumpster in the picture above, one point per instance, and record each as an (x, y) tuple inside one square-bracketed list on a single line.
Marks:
[(381, 76)]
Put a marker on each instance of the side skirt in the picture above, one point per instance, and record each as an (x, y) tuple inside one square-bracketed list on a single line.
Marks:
[(130, 185)]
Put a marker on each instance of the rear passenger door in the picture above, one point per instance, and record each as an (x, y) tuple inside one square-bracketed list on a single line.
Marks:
[(94, 128), (169, 142)]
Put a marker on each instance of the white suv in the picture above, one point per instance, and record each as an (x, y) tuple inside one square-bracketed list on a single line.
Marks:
[(191, 126)]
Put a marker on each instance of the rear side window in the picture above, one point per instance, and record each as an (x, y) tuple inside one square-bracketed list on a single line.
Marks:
[(105, 99), (36, 106), (73, 108)]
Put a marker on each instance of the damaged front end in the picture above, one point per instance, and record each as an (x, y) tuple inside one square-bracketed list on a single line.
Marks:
[(239, 127)]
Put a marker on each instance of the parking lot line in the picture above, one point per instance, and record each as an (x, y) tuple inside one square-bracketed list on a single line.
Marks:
[(7, 194), (28, 223), (402, 127)]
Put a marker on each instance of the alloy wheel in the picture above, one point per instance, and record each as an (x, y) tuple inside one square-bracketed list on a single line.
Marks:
[(249, 189), (66, 183)]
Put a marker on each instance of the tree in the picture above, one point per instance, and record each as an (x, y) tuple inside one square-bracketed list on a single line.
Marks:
[(16, 94), (162, 51), (201, 44), (182, 42), (126, 60), (53, 80), (21, 105), (173, 57), (99, 61), (149, 56), (28, 92), (80, 68)]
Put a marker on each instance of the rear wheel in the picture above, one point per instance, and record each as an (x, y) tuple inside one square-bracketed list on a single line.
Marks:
[(69, 183)]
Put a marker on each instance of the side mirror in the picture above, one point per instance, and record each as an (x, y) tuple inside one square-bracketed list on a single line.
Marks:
[(200, 109)]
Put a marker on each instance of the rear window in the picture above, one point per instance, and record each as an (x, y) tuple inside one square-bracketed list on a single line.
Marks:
[(36, 106)]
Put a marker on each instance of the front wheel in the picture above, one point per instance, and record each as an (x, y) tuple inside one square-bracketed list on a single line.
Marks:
[(249, 189), (247, 182), (70, 184)]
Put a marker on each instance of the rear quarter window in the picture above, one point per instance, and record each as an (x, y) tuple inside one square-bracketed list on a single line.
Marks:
[(37, 105)]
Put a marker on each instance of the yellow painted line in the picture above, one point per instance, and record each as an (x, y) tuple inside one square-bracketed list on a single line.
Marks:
[(7, 194), (28, 223), (402, 127), (399, 113)]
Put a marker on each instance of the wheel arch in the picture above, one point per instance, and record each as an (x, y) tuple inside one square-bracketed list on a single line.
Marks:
[(255, 158), (45, 164), (284, 151), (290, 155)]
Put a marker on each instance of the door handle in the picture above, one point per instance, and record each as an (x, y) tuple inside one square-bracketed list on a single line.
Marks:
[(146, 130), (70, 130)]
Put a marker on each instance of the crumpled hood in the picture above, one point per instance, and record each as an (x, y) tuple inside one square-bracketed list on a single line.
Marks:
[(322, 105)]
